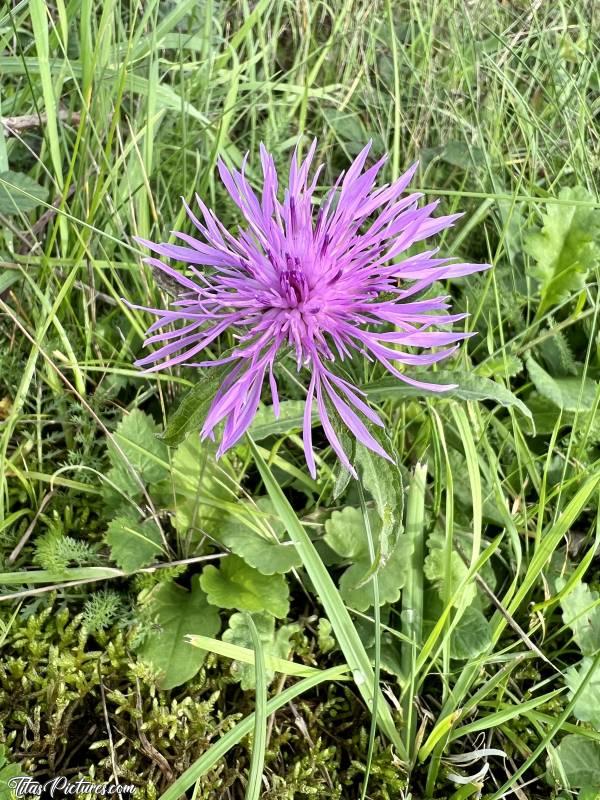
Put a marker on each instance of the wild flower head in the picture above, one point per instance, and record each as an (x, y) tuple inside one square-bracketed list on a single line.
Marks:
[(328, 280)]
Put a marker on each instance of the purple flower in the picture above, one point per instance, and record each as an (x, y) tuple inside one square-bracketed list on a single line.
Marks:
[(324, 279)]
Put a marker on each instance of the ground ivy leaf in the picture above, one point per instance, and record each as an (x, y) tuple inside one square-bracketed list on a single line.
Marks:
[(569, 394), (133, 544), (275, 643), (178, 613), (236, 584), (357, 590), (263, 552), (345, 534), (471, 636), (12, 201), (565, 248), (136, 436), (580, 758)]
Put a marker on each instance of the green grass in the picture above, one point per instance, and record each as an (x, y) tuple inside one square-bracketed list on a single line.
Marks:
[(499, 102)]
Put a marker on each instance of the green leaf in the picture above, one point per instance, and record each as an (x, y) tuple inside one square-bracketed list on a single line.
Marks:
[(568, 394), (275, 643), (197, 488), (263, 552), (7, 771), (133, 544), (565, 249), (471, 636), (580, 758), (178, 613), (587, 705), (469, 386), (237, 585), (136, 436), (194, 405), (290, 420), (435, 570), (581, 612), (12, 201), (345, 534)]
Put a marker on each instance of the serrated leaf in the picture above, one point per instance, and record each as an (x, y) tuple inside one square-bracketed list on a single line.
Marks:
[(178, 613), (194, 406), (236, 584), (580, 758), (565, 248), (470, 386), (581, 612), (471, 636), (587, 705), (266, 553), (133, 544), (12, 201), (345, 534), (275, 644), (568, 394), (136, 436)]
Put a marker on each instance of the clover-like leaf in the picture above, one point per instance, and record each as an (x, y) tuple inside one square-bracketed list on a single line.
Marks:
[(274, 643), (436, 572), (345, 533), (133, 544), (177, 613), (236, 584)]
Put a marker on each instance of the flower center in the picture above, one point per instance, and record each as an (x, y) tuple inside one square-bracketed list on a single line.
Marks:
[(294, 286)]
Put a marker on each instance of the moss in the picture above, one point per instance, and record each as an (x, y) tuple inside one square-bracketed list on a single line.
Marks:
[(59, 683)]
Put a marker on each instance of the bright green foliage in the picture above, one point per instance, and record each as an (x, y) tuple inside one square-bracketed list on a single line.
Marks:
[(235, 584), (566, 248), (175, 613), (274, 642), (133, 544), (580, 759), (263, 551), (196, 488), (346, 535), (7, 771)]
